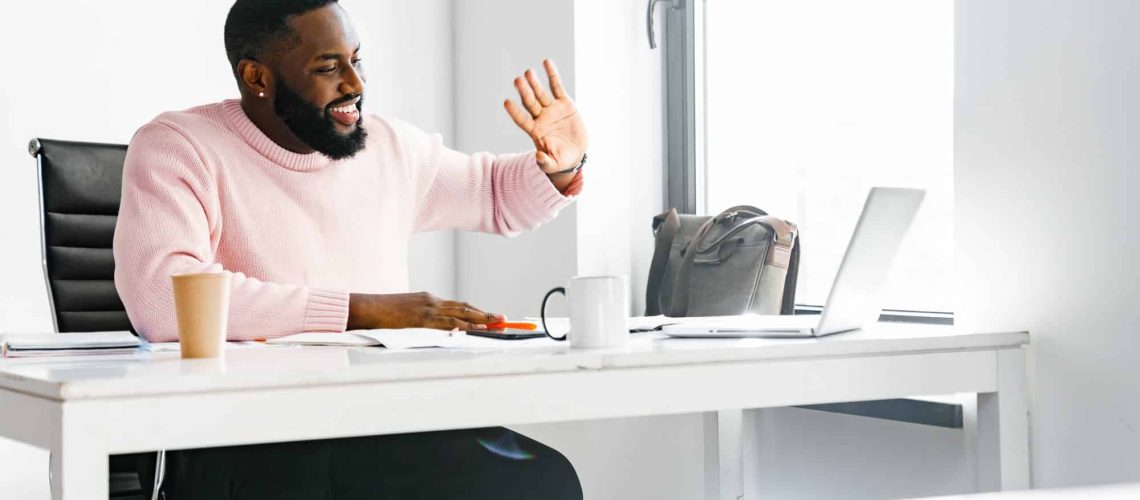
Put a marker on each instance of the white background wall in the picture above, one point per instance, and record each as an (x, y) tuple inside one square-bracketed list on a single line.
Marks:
[(1046, 172), (495, 41), (96, 71)]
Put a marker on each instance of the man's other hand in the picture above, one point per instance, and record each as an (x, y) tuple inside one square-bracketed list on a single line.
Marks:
[(414, 310), (551, 120)]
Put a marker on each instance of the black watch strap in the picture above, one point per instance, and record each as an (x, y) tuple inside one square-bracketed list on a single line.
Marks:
[(573, 169)]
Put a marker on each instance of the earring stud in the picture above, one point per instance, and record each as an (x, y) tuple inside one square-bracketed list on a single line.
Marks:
[(261, 94)]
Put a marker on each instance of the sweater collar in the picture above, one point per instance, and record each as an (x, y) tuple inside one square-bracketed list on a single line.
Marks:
[(257, 139)]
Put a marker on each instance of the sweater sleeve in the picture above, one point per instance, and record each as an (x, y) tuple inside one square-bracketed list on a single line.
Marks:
[(169, 223), (501, 194)]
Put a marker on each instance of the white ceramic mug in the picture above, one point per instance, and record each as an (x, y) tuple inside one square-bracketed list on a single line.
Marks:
[(599, 311)]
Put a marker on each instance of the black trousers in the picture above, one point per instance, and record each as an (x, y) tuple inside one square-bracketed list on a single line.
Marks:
[(464, 464)]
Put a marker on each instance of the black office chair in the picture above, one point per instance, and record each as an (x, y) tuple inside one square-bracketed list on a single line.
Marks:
[(80, 186)]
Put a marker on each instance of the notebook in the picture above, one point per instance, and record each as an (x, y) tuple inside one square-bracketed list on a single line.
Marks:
[(26, 345)]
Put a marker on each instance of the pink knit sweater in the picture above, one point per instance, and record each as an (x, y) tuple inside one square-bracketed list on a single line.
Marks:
[(205, 190)]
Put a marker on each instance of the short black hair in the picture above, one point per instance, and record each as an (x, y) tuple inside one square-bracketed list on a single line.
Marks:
[(253, 27)]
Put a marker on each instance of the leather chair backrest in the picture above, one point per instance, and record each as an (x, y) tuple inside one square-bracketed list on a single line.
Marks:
[(80, 188)]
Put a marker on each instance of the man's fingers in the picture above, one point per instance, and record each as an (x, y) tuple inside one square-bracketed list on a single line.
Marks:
[(539, 91), (448, 323), (520, 117), (466, 312), (526, 93), (555, 79)]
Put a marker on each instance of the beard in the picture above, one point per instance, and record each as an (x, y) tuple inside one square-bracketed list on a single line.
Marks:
[(315, 127)]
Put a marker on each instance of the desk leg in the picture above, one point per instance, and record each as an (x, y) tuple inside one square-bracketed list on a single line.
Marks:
[(78, 470), (1003, 428), (724, 455)]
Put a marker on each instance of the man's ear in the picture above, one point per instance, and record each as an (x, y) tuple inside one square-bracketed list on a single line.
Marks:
[(254, 77)]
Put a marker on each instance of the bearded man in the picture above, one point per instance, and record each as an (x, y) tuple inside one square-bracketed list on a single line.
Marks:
[(308, 205)]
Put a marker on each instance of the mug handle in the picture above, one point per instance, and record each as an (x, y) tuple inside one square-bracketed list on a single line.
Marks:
[(542, 313)]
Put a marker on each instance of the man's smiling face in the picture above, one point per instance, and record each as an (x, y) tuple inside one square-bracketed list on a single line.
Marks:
[(319, 86)]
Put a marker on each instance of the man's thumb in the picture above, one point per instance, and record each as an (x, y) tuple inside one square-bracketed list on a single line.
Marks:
[(545, 161)]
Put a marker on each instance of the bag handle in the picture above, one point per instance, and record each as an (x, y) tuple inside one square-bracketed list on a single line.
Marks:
[(788, 304), (748, 209), (665, 226)]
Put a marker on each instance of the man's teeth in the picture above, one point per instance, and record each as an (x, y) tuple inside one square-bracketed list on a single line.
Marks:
[(345, 109)]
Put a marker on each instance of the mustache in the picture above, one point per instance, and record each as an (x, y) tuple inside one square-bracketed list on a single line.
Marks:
[(344, 100)]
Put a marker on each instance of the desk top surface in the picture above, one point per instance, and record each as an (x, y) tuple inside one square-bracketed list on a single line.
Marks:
[(247, 367)]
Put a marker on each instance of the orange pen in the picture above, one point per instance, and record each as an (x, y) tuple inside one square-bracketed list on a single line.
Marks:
[(517, 325)]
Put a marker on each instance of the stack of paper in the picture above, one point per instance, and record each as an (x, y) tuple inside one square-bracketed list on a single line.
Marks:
[(63, 344)]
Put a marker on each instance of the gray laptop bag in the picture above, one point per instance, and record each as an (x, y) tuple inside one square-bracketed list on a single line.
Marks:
[(740, 261)]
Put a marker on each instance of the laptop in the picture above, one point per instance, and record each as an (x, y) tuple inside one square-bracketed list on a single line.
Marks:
[(855, 296)]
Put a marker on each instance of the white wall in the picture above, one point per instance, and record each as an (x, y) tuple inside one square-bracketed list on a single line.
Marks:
[(620, 94), (96, 71), (1046, 173), (410, 69), (495, 41)]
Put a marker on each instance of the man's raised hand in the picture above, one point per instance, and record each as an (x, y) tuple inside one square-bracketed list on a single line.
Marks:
[(550, 119)]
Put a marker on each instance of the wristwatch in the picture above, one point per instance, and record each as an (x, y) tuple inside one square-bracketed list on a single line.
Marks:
[(573, 169)]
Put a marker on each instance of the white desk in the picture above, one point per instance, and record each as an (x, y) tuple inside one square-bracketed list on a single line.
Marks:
[(84, 409)]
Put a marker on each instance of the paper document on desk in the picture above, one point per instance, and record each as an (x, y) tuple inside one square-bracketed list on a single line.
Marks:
[(349, 339), (407, 338), (175, 346)]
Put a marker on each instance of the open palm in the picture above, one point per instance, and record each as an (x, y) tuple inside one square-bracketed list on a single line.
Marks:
[(550, 119)]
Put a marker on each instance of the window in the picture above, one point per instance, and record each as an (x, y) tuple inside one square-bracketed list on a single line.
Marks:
[(800, 107)]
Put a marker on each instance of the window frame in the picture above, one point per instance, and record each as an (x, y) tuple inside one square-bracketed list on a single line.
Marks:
[(684, 80)]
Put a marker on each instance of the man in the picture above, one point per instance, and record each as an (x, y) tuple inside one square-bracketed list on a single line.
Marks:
[(309, 206)]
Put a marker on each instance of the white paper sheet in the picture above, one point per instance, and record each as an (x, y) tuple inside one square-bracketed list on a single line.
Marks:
[(408, 338), (175, 346), (351, 339)]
